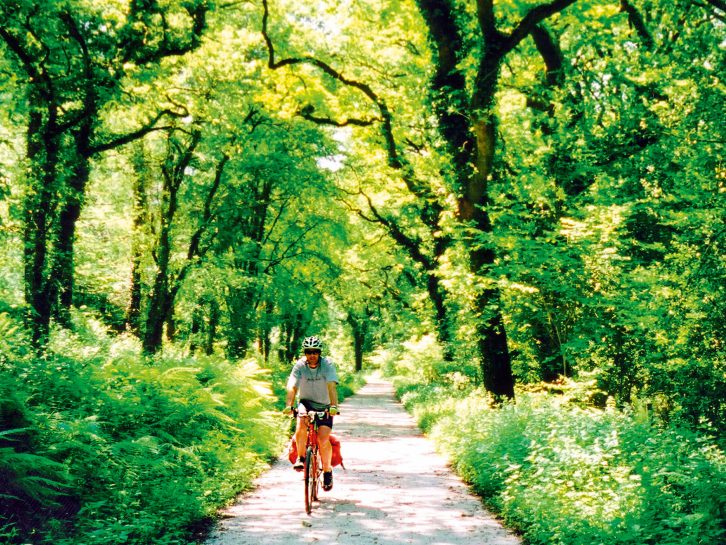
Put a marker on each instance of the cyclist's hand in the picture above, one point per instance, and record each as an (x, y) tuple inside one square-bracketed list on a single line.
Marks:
[(287, 411), (333, 410)]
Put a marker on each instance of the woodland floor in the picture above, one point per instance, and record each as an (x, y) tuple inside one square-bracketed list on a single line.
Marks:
[(395, 490)]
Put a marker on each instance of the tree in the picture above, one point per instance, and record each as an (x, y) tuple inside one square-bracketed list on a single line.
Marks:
[(427, 211), (71, 59), (468, 122), (174, 170)]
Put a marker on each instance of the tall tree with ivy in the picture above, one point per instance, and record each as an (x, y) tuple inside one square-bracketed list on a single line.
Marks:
[(468, 122), (71, 59)]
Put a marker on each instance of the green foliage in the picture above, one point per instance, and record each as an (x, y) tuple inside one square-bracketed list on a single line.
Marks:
[(567, 475), (607, 205), (609, 478), (429, 402), (349, 384), (123, 449), (420, 360)]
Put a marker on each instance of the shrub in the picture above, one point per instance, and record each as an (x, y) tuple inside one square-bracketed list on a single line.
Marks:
[(101, 446), (567, 475)]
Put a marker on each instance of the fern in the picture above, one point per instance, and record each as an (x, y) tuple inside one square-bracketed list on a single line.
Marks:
[(100, 446), (31, 477)]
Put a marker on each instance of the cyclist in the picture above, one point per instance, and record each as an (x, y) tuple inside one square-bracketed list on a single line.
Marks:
[(315, 379)]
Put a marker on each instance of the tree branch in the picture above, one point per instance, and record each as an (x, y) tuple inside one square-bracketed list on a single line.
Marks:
[(394, 160), (170, 47), (549, 50), (272, 263), (413, 247), (27, 61), (720, 4), (533, 17), (307, 113), (637, 22), (207, 212), (121, 140)]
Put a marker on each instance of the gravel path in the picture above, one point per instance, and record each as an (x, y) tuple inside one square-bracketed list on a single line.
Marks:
[(396, 490)]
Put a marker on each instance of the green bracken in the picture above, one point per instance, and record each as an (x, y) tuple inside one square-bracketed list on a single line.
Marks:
[(115, 449)]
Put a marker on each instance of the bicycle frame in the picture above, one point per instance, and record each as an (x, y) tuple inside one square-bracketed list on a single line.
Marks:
[(313, 463)]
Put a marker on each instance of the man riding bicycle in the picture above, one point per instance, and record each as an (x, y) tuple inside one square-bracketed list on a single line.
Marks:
[(315, 379)]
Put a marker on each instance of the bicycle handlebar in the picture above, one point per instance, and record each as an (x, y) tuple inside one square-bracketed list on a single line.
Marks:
[(317, 414)]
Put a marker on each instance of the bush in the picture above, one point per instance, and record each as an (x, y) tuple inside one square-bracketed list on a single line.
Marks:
[(99, 446), (568, 475), (428, 402)]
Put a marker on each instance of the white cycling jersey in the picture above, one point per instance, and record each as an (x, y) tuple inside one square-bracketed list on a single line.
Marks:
[(312, 384)]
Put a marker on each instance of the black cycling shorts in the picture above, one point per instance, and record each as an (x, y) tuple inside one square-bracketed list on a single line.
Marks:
[(327, 421)]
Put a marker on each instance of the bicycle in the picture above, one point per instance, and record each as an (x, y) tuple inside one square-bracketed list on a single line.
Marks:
[(313, 468)]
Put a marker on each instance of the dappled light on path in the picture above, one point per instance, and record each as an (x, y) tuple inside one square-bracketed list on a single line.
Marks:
[(396, 490)]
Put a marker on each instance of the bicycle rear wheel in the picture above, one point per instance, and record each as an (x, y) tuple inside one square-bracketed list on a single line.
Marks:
[(311, 479)]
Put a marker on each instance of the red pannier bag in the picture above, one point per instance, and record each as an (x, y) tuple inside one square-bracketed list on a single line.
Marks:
[(337, 459)]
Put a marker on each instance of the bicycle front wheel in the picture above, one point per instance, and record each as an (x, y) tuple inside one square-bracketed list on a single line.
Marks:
[(311, 478), (317, 473)]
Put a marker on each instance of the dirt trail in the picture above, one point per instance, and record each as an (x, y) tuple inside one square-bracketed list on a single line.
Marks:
[(395, 490)]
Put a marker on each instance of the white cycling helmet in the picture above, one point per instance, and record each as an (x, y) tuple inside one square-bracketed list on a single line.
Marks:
[(312, 343)]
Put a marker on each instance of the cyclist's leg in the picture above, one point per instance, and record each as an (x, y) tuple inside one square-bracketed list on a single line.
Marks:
[(326, 449), (326, 454), (301, 435)]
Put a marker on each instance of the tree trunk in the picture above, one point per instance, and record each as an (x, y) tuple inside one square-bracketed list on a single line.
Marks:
[(358, 341), (293, 331), (70, 211), (241, 321), (214, 316), (494, 351), (63, 269), (266, 345), (197, 326), (470, 132), (359, 328), (133, 313), (42, 152), (443, 328), (153, 332), (158, 306), (264, 334), (171, 321), (163, 293)]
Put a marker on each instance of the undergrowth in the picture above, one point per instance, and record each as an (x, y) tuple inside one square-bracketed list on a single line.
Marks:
[(566, 475), (99, 446), (564, 472), (102, 446)]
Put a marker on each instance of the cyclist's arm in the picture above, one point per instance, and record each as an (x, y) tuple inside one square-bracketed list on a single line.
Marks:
[(292, 385), (291, 393), (333, 393)]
